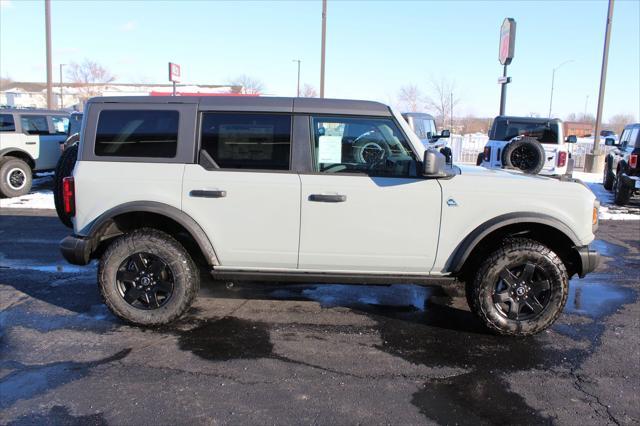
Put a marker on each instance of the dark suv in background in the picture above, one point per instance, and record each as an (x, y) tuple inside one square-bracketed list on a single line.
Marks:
[(621, 170)]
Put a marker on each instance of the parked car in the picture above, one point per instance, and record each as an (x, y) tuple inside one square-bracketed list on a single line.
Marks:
[(533, 145), (310, 190), (621, 169), (29, 142), (424, 126)]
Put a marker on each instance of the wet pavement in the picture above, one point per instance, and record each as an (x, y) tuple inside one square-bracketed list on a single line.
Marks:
[(309, 354)]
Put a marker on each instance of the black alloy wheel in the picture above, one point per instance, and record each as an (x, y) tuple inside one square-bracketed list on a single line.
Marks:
[(145, 281), (524, 158), (522, 292)]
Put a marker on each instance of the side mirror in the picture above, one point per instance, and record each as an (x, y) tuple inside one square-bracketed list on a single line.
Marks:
[(445, 134), (433, 163), (572, 139), (609, 141)]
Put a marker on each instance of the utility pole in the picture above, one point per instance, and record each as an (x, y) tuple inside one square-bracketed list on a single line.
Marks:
[(324, 42), (593, 161), (61, 94), (553, 78), (47, 25), (298, 87)]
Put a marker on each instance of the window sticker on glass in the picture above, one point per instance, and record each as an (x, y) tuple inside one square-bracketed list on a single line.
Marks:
[(329, 149)]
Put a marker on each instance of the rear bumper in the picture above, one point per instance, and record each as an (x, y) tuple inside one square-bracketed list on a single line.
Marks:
[(76, 250), (589, 258)]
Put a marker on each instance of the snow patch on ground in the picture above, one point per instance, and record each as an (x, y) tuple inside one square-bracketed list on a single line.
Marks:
[(34, 200)]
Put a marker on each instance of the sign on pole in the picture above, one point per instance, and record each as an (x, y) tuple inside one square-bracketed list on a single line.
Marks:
[(174, 75), (507, 41)]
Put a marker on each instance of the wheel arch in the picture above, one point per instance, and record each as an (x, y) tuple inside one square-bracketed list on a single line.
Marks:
[(129, 216), (488, 236), (18, 153)]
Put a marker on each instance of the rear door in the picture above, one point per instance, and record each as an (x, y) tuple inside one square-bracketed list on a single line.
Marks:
[(365, 209), (243, 192)]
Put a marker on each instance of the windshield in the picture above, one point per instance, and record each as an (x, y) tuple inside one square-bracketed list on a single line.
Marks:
[(424, 128), (505, 130)]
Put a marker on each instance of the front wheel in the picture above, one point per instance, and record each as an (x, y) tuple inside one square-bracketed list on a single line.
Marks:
[(608, 177), (520, 289), (147, 278)]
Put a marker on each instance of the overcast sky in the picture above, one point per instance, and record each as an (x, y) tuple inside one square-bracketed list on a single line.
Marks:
[(373, 48)]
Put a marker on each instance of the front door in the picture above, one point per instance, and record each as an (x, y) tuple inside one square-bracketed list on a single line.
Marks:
[(242, 193), (366, 209)]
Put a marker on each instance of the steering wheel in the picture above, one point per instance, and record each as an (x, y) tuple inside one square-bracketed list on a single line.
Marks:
[(370, 150)]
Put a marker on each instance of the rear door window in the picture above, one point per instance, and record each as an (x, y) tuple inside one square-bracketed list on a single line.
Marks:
[(247, 141), (34, 124), (6, 123), (137, 133), (60, 125)]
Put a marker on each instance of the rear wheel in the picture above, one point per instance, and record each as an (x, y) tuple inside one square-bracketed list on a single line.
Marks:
[(621, 192), (480, 159), (608, 177), (520, 289), (15, 177), (147, 278)]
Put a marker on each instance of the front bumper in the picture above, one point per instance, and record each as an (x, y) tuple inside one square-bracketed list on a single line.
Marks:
[(589, 258), (76, 250)]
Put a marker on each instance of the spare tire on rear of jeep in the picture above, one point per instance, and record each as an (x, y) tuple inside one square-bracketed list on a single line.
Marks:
[(526, 154), (64, 168)]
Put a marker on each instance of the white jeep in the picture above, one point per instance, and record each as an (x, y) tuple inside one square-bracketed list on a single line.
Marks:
[(30, 141), (310, 190), (533, 145)]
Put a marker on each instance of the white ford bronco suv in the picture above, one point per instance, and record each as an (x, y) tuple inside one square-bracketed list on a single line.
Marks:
[(310, 190), (533, 145), (30, 141)]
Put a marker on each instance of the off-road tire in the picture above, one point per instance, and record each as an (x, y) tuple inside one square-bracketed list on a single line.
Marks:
[(621, 192), (64, 168), (480, 159), (535, 149), (186, 278), (608, 177), (513, 252), (11, 165)]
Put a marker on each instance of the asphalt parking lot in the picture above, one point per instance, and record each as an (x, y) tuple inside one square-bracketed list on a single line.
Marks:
[(312, 354)]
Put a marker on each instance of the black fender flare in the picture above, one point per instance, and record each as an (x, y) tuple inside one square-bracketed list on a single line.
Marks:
[(10, 149), (465, 248), (93, 229)]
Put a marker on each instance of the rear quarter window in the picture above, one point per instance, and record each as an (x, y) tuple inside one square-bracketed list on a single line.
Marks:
[(7, 124), (137, 133)]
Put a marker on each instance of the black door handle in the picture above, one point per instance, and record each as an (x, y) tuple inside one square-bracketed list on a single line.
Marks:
[(328, 198), (206, 193)]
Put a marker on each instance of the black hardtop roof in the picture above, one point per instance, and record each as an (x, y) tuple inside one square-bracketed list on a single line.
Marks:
[(260, 103), (632, 126), (528, 119), (32, 111)]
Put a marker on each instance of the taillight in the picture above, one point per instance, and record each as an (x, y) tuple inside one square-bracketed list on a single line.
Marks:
[(487, 153), (69, 196), (633, 161), (562, 158)]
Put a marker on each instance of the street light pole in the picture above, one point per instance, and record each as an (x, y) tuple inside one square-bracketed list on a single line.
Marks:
[(324, 40), (61, 94), (553, 78), (298, 86), (47, 26)]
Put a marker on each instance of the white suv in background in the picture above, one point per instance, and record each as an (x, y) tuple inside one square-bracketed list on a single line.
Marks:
[(30, 141), (533, 145)]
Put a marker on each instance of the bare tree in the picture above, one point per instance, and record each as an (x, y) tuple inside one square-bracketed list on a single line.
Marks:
[(618, 121), (90, 78), (5, 82), (580, 118), (247, 85), (442, 99), (410, 98), (308, 91)]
